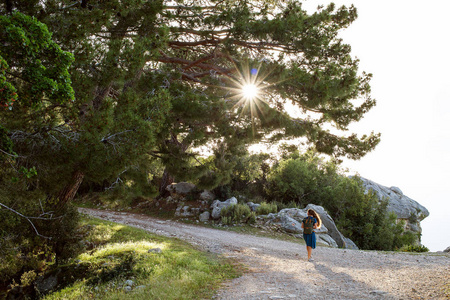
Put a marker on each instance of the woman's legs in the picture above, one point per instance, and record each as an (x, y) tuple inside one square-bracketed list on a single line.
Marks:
[(309, 249)]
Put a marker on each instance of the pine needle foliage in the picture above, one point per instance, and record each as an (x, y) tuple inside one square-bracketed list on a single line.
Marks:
[(163, 78)]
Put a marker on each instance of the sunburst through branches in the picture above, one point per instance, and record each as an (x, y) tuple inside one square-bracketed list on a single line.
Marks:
[(249, 90)]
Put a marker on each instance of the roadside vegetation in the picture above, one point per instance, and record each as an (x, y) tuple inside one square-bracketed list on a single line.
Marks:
[(120, 262)]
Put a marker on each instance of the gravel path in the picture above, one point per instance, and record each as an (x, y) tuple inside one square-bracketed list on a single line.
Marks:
[(279, 269)]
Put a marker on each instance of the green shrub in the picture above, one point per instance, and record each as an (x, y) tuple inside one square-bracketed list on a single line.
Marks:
[(414, 248), (293, 180), (404, 238), (266, 208), (64, 242), (238, 213), (22, 250)]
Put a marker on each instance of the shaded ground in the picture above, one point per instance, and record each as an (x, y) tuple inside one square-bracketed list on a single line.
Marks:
[(279, 269)]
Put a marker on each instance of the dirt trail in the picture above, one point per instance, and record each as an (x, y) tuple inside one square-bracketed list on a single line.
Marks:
[(279, 269)]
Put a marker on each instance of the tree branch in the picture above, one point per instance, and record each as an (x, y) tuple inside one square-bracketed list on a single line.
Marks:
[(106, 138), (181, 61), (13, 155), (28, 219), (71, 5), (118, 180)]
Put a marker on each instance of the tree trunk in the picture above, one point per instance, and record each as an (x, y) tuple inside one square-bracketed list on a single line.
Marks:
[(70, 190), (165, 181)]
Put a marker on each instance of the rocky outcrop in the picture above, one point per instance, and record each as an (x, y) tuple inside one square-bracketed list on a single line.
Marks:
[(218, 205), (404, 207), (180, 193), (289, 220), (327, 221)]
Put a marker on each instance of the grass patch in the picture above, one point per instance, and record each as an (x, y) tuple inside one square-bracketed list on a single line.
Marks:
[(119, 265)]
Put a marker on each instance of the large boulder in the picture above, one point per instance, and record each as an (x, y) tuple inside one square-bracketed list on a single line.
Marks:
[(349, 244), (328, 222), (217, 206), (180, 190), (287, 214), (291, 225), (290, 219), (295, 213), (404, 207), (204, 217), (327, 240)]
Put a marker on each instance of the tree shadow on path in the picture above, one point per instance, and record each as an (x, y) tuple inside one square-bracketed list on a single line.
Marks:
[(341, 285)]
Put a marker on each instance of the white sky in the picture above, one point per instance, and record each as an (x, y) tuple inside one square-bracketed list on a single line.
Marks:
[(406, 46)]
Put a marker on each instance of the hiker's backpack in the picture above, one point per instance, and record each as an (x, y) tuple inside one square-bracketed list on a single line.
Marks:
[(308, 224)]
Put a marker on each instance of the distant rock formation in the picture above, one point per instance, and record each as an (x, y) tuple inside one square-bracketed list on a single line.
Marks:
[(404, 207), (290, 219)]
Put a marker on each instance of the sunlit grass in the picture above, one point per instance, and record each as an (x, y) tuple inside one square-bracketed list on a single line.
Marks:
[(117, 248), (121, 253)]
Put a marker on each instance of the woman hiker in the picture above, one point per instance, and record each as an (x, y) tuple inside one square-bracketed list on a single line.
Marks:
[(312, 221)]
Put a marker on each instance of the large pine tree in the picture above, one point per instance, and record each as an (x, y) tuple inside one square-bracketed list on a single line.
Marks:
[(165, 77)]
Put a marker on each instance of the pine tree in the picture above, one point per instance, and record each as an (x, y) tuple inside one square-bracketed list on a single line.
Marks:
[(165, 77)]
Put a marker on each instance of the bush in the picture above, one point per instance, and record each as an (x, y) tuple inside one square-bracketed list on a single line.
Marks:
[(238, 213), (414, 248), (293, 180), (403, 238), (246, 178), (266, 208), (21, 249), (64, 242)]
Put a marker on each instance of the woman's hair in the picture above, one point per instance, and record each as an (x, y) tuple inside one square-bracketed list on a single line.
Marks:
[(311, 212)]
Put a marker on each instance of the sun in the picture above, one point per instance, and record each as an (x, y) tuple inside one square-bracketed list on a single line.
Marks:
[(250, 91)]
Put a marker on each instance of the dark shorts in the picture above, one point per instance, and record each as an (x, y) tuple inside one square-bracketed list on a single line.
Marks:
[(310, 240)]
